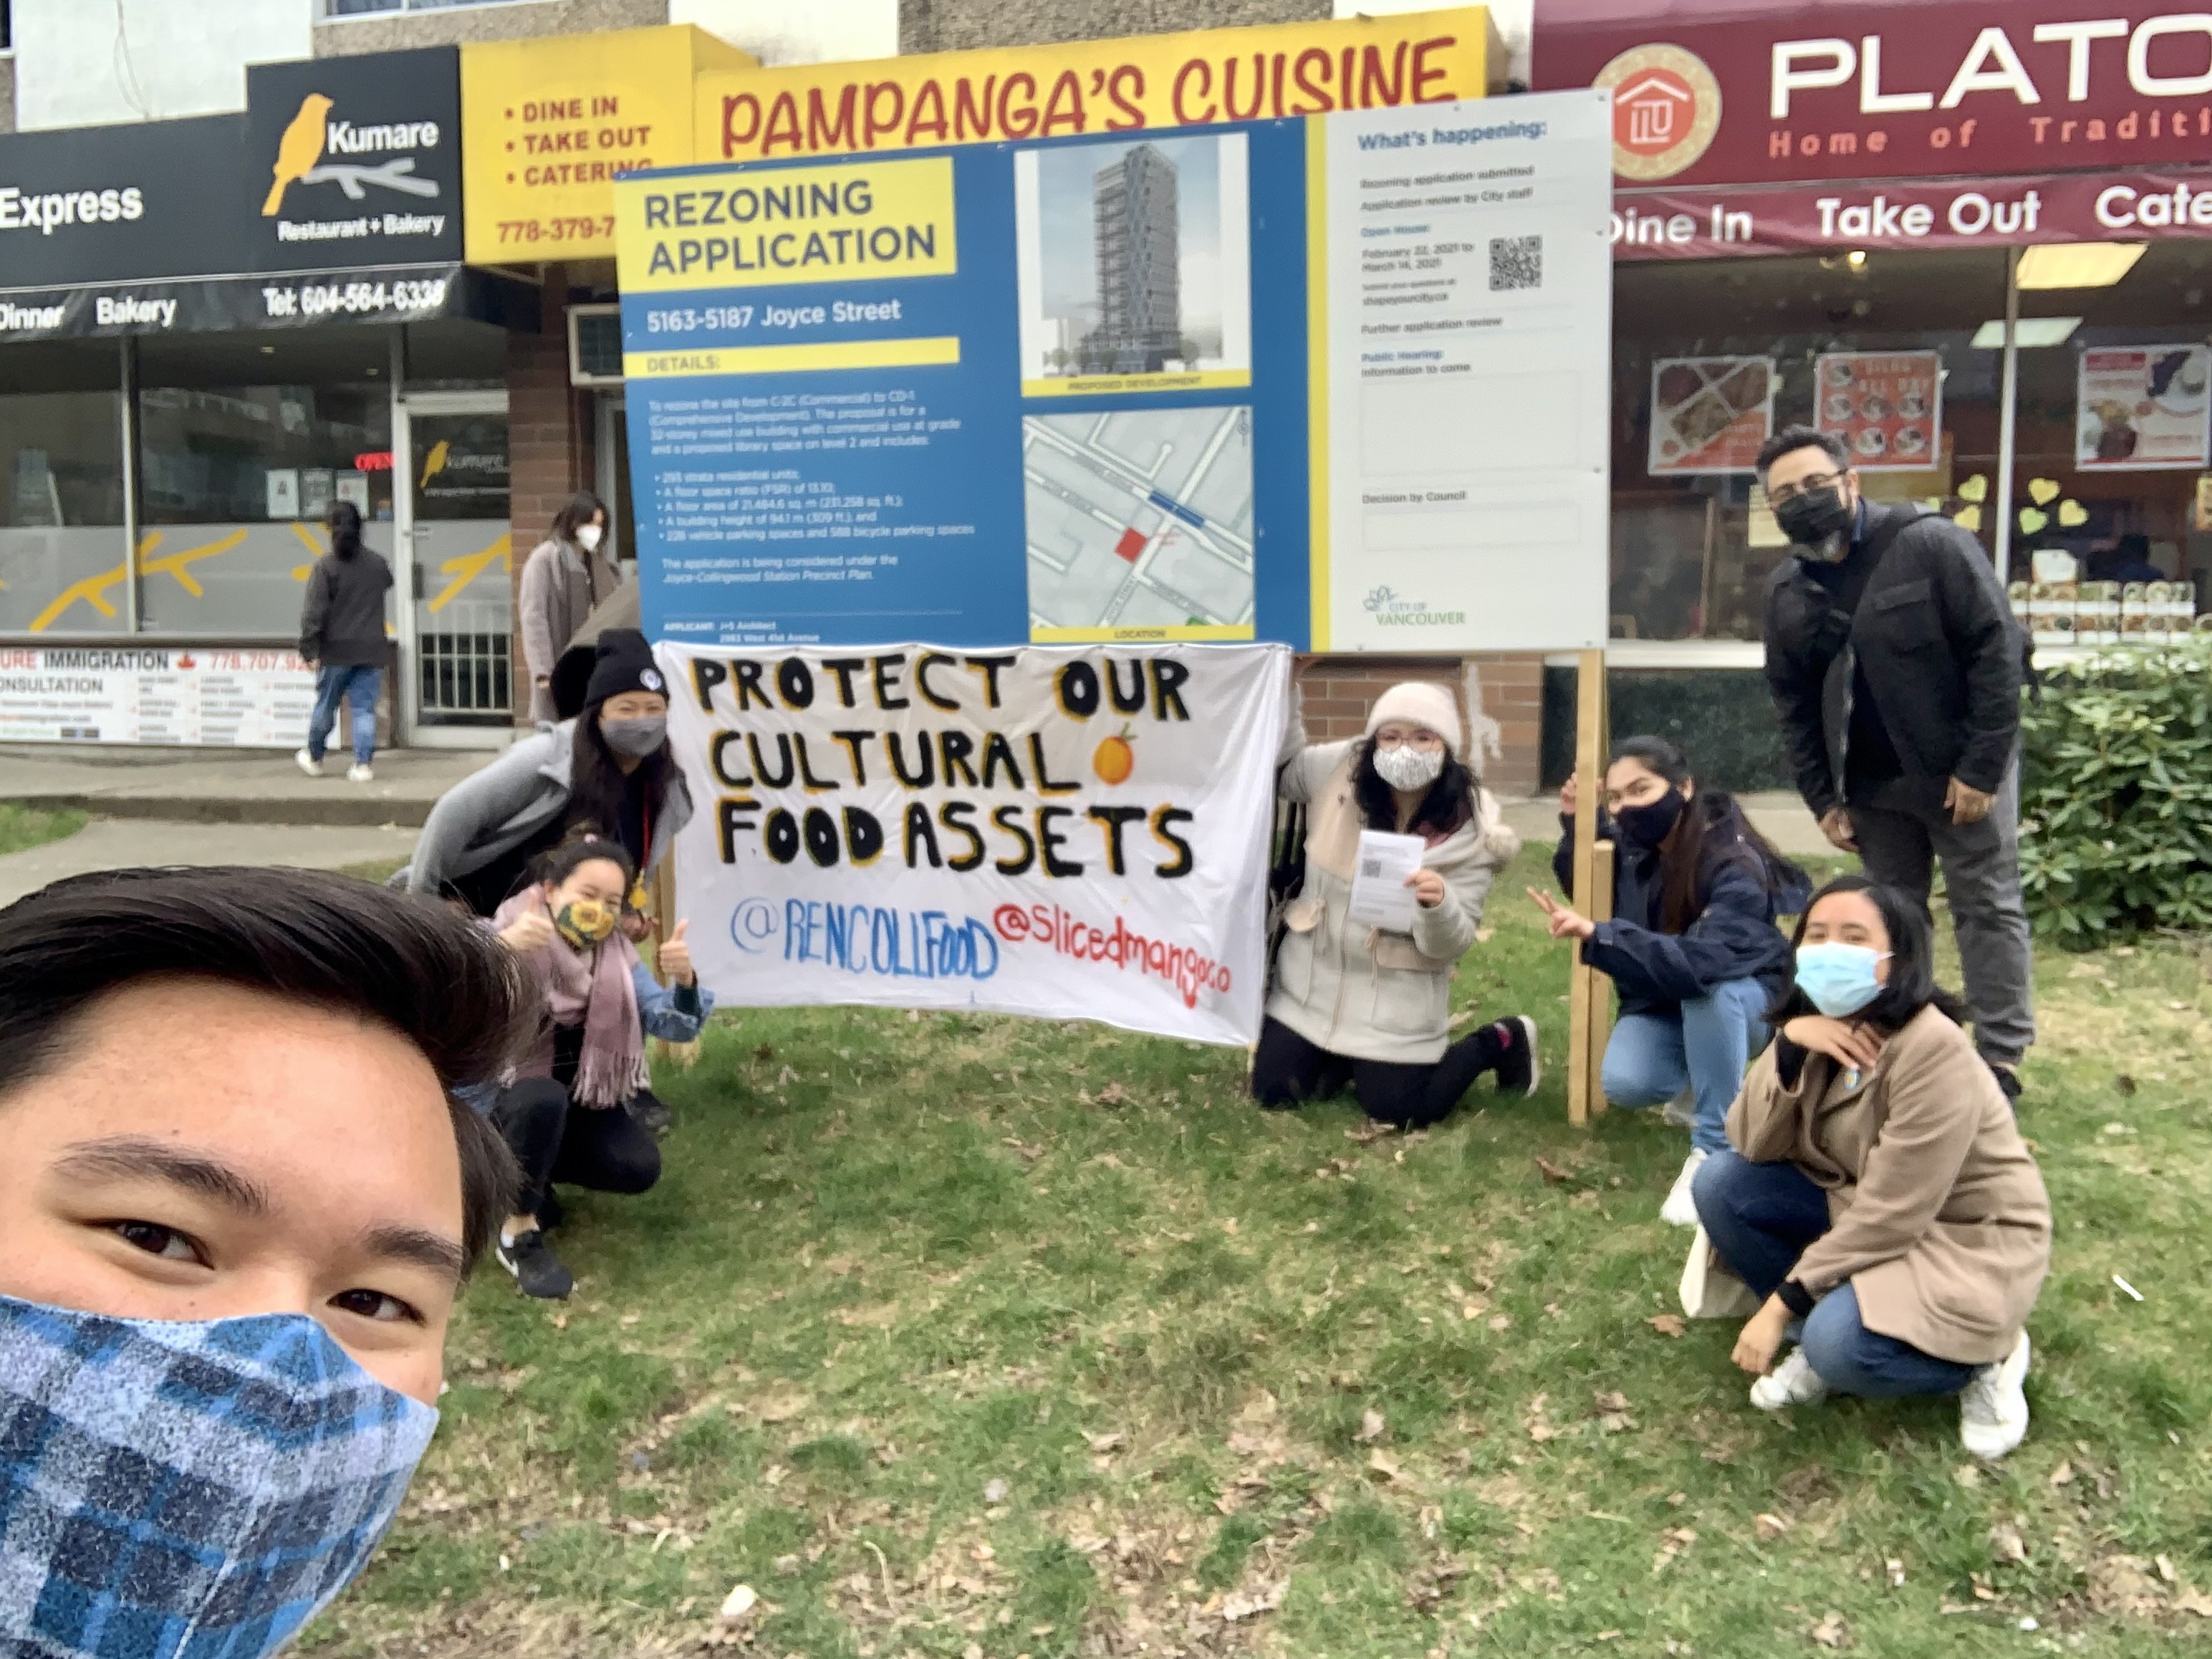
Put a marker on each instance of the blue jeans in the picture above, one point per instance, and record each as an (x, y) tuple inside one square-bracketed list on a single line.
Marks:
[(1760, 1217), (357, 685), (1707, 1045)]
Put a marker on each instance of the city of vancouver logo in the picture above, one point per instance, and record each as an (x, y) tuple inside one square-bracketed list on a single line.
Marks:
[(1391, 611)]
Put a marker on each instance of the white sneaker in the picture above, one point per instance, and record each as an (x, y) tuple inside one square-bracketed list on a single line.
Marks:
[(360, 774), (307, 764), (1680, 1210), (1793, 1382), (1681, 1111), (1992, 1410)]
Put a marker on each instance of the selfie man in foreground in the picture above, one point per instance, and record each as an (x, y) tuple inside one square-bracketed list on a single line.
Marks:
[(239, 1202)]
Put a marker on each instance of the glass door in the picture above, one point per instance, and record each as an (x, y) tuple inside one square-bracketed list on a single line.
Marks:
[(460, 587)]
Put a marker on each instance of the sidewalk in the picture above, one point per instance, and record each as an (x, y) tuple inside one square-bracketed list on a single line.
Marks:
[(119, 844), (200, 785)]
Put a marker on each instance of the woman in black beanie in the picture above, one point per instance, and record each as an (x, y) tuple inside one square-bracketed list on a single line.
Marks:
[(609, 768)]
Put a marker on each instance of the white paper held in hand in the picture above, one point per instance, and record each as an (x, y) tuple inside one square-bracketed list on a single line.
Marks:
[(1380, 897)]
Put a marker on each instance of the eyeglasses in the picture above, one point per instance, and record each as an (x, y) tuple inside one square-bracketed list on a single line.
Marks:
[(1780, 493)]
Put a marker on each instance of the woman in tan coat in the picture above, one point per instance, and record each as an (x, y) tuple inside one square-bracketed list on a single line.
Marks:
[(566, 575), (1357, 1006), (1878, 1195)]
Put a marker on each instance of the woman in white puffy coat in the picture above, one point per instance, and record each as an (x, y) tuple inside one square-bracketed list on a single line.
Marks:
[(1356, 1006)]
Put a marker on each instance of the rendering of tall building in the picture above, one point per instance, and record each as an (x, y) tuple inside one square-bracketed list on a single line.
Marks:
[(1140, 301)]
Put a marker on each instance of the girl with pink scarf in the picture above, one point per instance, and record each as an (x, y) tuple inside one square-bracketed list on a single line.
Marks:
[(578, 1107)]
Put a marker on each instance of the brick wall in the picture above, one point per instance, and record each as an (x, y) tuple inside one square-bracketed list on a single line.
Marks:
[(1339, 690), (550, 442)]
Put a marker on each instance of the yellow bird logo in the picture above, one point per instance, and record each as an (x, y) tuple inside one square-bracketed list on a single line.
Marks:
[(299, 149), (434, 462)]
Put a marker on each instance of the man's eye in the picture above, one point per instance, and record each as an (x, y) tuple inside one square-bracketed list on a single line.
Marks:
[(375, 1304), (156, 1240)]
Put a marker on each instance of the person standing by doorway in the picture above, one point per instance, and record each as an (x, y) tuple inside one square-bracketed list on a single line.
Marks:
[(341, 637), (567, 575), (1896, 669)]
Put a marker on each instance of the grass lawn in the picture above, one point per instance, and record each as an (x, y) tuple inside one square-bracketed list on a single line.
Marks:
[(976, 1336), (23, 828)]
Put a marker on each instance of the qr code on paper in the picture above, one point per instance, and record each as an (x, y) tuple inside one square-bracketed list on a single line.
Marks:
[(1371, 868), (1516, 262)]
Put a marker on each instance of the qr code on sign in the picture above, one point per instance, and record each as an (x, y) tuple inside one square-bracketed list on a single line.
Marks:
[(1371, 868), (1516, 262)]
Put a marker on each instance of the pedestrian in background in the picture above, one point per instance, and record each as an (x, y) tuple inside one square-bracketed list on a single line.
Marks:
[(341, 637), (1691, 947), (1896, 668), (566, 577)]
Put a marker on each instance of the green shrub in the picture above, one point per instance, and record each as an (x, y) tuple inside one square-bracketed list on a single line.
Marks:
[(2115, 834)]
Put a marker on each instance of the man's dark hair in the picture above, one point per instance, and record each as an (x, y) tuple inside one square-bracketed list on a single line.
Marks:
[(1912, 984), (401, 961), (1792, 438)]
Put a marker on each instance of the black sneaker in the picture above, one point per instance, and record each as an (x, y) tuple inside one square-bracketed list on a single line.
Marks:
[(2008, 1078), (1519, 1070), (550, 1213), (536, 1270), (649, 1112)]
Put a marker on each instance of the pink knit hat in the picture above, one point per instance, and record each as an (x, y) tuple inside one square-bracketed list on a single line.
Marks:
[(1419, 703)]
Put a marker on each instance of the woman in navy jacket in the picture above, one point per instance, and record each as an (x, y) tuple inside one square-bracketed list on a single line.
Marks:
[(1692, 948)]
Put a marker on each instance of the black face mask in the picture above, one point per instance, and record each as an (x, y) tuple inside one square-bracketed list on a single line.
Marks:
[(1646, 826), (1812, 520)]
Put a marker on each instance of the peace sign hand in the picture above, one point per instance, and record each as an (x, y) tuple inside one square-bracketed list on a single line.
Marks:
[(676, 957), (1565, 923)]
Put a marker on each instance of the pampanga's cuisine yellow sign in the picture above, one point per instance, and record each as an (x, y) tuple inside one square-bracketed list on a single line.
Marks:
[(1151, 81), (549, 125)]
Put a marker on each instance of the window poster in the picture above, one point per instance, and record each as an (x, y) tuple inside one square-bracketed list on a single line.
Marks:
[(1710, 414), (1887, 405), (2143, 408)]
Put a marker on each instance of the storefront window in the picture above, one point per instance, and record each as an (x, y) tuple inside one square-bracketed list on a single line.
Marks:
[(1882, 348), (61, 539), (244, 443), (2112, 498)]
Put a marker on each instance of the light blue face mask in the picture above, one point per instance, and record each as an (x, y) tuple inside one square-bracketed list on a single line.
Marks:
[(1840, 978), (173, 1488)]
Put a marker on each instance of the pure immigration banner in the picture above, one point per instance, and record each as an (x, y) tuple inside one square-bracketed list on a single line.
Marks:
[(1074, 834)]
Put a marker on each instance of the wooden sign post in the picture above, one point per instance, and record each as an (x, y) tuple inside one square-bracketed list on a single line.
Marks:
[(1590, 995)]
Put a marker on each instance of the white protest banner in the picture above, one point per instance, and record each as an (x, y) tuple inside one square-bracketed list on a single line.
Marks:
[(1072, 832)]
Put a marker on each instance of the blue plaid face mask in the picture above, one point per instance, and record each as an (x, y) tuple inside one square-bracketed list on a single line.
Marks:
[(182, 1489)]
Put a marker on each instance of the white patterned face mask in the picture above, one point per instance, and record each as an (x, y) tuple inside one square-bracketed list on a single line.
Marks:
[(1408, 768), (186, 1488)]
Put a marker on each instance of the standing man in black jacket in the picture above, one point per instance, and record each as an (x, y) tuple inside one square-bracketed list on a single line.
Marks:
[(1896, 668)]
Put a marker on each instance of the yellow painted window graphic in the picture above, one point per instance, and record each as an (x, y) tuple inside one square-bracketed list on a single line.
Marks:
[(94, 590)]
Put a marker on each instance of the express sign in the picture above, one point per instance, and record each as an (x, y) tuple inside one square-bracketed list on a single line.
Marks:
[(1835, 90)]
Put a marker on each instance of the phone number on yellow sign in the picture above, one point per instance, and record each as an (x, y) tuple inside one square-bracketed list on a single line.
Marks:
[(586, 227)]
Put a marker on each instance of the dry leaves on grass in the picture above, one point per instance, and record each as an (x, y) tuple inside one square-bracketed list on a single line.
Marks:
[(1370, 1132), (1672, 1543), (1533, 1420), (1373, 1428), (1768, 1527), (1832, 1632), (781, 1407), (1667, 1324), (1111, 1440), (1612, 1415), (1260, 1598), (1554, 1175), (2006, 1543)]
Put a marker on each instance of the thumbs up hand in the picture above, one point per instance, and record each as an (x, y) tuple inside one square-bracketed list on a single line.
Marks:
[(676, 957)]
